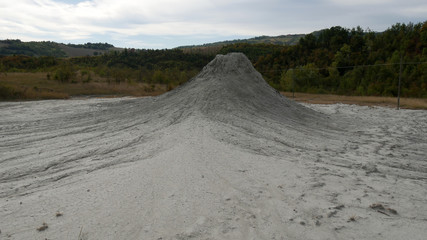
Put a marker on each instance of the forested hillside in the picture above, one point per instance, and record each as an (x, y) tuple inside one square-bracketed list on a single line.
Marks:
[(347, 61), (114, 73), (335, 60), (289, 40), (17, 47), (52, 49), (171, 67)]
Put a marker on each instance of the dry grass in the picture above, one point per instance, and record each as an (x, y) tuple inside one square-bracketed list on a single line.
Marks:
[(410, 103), (33, 86), (28, 86)]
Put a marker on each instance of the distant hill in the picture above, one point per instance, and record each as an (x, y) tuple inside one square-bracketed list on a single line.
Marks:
[(87, 49), (47, 48), (290, 39), (17, 47)]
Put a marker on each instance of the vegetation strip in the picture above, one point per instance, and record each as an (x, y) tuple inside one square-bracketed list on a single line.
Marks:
[(331, 61)]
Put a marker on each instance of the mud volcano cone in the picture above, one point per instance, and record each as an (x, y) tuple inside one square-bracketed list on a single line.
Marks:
[(230, 86)]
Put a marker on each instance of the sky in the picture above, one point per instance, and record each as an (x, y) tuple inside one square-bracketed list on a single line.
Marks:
[(159, 24)]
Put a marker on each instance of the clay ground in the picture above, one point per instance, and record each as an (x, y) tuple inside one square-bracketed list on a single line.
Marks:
[(213, 159)]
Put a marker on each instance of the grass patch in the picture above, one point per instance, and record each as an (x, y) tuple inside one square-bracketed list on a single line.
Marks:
[(37, 86), (42, 85), (409, 103)]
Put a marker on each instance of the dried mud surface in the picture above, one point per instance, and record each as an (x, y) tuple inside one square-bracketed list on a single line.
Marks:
[(224, 156)]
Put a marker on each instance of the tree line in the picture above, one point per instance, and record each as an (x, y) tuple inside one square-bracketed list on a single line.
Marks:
[(171, 67), (17, 47), (346, 61), (97, 46), (335, 60)]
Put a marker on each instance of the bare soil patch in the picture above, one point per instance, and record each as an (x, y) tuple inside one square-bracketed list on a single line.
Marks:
[(223, 156)]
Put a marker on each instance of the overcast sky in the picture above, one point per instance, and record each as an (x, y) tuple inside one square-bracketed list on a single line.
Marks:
[(172, 23)]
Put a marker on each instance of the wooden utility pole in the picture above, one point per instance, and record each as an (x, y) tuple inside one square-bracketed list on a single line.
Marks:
[(400, 80), (293, 83)]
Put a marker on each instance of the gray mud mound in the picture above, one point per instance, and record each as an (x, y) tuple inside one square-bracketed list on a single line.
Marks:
[(228, 95), (224, 156), (229, 86), (229, 91)]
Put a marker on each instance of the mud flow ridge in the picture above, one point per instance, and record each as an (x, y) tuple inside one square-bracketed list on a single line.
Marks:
[(228, 94)]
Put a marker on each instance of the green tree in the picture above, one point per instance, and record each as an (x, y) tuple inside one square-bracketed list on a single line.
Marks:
[(65, 72), (342, 59)]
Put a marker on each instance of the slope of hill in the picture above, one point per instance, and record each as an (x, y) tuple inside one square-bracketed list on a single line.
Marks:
[(17, 47), (47, 48), (72, 51), (290, 39)]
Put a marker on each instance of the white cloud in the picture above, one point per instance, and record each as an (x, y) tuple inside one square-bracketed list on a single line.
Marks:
[(420, 10), (64, 21), (361, 2), (398, 7)]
